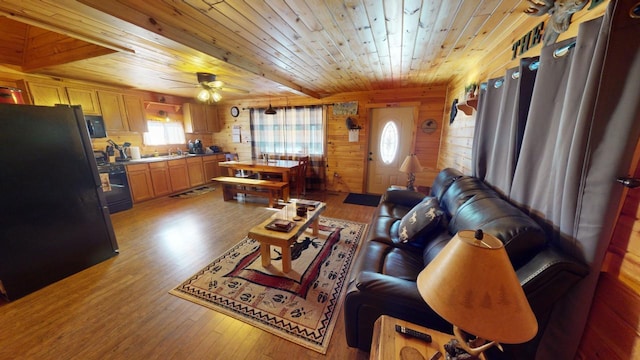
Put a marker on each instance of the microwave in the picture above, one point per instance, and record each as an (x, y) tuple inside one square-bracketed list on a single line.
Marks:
[(95, 125)]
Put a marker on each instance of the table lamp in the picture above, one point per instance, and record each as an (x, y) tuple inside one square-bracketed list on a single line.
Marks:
[(411, 165), (471, 284)]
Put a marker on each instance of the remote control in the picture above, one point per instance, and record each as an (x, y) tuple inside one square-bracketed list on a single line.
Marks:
[(413, 333)]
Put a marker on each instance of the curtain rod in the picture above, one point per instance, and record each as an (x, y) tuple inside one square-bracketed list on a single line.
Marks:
[(557, 53)]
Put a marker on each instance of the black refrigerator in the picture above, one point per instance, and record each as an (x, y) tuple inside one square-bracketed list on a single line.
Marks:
[(54, 219)]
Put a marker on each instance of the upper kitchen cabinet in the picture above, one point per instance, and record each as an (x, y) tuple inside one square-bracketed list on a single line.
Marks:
[(122, 112), (200, 118), (113, 111), (86, 98), (134, 107), (47, 94), (212, 118)]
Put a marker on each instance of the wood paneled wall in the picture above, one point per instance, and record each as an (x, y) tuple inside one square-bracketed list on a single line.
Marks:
[(613, 328), (349, 159)]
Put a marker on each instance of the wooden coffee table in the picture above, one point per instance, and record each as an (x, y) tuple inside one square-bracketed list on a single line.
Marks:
[(284, 240)]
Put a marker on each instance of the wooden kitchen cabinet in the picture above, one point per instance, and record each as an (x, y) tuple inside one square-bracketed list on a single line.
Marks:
[(140, 182), (179, 175), (47, 94), (211, 113), (86, 98), (196, 173), (160, 179), (113, 110), (200, 118), (194, 118), (211, 167), (135, 114)]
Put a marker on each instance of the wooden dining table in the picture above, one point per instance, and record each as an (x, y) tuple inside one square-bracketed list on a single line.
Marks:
[(283, 167)]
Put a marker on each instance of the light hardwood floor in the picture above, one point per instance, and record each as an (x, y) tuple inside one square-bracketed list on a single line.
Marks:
[(121, 308)]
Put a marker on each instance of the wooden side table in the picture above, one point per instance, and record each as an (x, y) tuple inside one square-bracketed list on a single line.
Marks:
[(387, 342)]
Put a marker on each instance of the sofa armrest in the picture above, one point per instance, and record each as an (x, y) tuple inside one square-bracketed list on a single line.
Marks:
[(388, 289), (547, 276), (406, 198), (372, 294)]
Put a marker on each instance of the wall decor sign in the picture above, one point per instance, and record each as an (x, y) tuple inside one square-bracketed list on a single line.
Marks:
[(529, 40), (345, 108), (560, 12)]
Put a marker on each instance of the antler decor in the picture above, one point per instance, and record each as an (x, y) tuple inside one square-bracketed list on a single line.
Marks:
[(560, 13)]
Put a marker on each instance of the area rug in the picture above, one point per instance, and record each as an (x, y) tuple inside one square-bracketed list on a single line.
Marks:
[(301, 306), (362, 199), (194, 192)]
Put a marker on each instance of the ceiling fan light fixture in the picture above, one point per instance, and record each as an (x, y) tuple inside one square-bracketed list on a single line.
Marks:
[(216, 96), (204, 95), (270, 110)]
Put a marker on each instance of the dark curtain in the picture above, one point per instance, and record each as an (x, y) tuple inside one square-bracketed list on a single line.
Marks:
[(581, 132), (501, 118)]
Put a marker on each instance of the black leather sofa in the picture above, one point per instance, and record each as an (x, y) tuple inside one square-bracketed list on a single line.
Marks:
[(383, 280)]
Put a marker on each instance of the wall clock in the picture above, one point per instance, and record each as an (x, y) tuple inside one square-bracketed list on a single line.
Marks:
[(235, 111), (428, 126)]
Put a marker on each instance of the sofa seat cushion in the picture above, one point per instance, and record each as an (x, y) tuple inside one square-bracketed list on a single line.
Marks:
[(420, 221)]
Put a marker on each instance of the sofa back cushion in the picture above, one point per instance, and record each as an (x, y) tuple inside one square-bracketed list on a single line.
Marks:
[(442, 182), (463, 189), (521, 235)]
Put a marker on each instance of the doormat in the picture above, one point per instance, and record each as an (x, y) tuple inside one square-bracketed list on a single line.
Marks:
[(301, 306), (362, 199), (194, 192)]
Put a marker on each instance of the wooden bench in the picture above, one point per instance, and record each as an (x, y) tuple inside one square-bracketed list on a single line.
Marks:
[(233, 185)]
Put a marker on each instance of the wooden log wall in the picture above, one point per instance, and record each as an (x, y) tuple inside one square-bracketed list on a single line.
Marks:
[(613, 327), (349, 159)]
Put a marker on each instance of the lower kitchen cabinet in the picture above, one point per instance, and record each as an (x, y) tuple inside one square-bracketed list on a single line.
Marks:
[(160, 178), (196, 173), (211, 167), (140, 182), (179, 175)]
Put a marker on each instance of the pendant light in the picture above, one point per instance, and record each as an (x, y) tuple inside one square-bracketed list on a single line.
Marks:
[(270, 110)]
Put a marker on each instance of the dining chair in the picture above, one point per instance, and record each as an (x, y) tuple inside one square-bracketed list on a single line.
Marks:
[(239, 173), (299, 180), (273, 176)]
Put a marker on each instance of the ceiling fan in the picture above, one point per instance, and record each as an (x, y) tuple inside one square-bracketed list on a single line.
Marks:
[(210, 87)]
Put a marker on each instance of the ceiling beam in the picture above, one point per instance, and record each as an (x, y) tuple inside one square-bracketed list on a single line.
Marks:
[(133, 16)]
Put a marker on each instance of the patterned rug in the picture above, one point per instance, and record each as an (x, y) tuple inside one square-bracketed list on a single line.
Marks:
[(193, 192), (301, 306)]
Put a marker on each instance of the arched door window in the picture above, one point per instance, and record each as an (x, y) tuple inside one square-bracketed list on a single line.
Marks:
[(389, 142)]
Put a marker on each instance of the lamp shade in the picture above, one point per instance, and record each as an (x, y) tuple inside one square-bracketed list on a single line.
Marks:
[(411, 164), (471, 283)]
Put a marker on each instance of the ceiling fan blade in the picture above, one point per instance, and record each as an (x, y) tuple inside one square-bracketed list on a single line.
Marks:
[(234, 90), (180, 81)]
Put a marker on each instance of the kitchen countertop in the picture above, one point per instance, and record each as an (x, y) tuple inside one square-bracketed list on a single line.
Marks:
[(165, 158)]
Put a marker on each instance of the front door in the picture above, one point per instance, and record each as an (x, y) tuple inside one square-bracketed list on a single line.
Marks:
[(391, 141)]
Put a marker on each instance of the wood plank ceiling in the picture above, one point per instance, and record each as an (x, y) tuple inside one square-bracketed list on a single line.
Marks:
[(270, 47)]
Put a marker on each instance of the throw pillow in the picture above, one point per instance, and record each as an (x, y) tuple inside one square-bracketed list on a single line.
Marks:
[(420, 220)]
